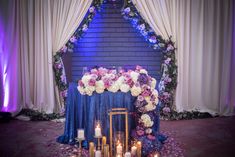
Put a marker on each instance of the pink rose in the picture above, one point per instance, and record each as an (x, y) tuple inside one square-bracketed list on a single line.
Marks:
[(80, 83), (140, 132), (151, 137), (91, 82)]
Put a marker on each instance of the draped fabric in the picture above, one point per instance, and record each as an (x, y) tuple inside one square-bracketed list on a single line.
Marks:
[(66, 17), (33, 32), (9, 44), (83, 110), (202, 32)]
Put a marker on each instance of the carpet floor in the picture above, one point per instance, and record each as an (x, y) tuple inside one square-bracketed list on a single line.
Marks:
[(212, 137)]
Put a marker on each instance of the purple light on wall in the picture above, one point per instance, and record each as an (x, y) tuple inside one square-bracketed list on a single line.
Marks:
[(6, 90)]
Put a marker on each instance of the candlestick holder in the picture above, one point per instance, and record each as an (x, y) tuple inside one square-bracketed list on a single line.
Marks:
[(98, 142), (79, 140)]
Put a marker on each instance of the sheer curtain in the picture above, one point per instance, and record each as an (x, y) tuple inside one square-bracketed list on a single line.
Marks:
[(202, 31), (33, 32), (66, 17)]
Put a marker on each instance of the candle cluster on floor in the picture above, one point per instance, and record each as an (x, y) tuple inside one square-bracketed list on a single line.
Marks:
[(103, 149)]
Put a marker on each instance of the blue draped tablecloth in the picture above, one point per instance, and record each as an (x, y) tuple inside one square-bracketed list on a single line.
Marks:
[(83, 110)]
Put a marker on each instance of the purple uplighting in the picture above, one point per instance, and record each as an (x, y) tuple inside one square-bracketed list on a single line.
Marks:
[(8, 65)]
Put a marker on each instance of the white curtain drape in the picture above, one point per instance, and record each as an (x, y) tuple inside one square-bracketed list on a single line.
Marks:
[(66, 17), (39, 28), (202, 31)]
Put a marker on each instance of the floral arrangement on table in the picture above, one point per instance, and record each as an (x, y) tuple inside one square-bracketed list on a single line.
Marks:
[(140, 85), (58, 65), (168, 82)]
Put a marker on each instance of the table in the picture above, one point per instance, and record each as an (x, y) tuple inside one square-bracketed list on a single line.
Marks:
[(83, 110)]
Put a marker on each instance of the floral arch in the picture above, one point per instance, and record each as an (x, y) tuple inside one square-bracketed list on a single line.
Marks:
[(168, 81)]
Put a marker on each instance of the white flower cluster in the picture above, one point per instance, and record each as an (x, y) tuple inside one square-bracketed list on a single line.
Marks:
[(146, 120)]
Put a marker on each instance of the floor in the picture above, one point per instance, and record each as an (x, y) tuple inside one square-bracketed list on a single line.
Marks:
[(213, 137)]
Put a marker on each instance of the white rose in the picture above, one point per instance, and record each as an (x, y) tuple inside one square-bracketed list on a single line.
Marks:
[(147, 99), (91, 88), (81, 90), (114, 88), (153, 83), (125, 88), (148, 131), (143, 71), (99, 90), (99, 84), (88, 91), (134, 76), (85, 79), (150, 107), (146, 120), (135, 91), (120, 80)]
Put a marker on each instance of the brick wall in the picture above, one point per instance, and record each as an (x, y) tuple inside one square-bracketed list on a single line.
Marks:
[(112, 41)]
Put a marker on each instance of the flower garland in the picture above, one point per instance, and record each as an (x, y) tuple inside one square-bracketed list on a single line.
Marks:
[(168, 81), (58, 66), (139, 84)]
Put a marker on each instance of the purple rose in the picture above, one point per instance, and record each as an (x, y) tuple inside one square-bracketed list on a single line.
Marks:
[(166, 110), (73, 39), (140, 98), (127, 10), (143, 79), (167, 61), (58, 66), (64, 49), (153, 39), (84, 28)]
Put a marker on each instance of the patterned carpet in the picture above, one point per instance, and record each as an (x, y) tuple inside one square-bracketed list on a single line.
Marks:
[(38, 139), (185, 138)]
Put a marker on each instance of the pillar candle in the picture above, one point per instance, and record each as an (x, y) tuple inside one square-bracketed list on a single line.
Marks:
[(103, 142), (139, 148), (133, 150), (127, 154), (98, 131), (157, 155), (80, 134), (91, 149), (106, 150), (98, 153), (119, 149)]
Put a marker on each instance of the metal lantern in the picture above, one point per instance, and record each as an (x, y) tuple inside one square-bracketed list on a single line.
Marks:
[(118, 111)]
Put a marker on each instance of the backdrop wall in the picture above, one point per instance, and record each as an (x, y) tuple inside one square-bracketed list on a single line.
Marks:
[(202, 31)]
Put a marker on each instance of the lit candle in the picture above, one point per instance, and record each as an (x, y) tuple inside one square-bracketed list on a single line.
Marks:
[(139, 148), (98, 131), (80, 134), (127, 154), (98, 153), (119, 149), (157, 155), (133, 150), (91, 149)]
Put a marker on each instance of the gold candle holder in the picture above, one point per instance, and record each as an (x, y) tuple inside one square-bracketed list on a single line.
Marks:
[(106, 150), (80, 146), (118, 111)]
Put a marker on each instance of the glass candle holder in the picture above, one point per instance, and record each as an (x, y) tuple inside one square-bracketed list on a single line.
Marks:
[(119, 142)]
